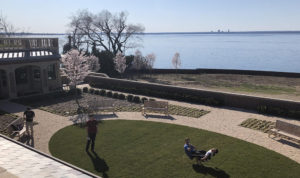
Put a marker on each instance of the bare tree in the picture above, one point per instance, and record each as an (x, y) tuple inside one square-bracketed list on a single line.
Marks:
[(176, 60), (6, 28), (106, 30), (137, 62), (120, 63), (143, 62), (76, 66), (150, 58)]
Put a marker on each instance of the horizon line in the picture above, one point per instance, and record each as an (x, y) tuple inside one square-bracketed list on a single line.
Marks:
[(203, 32)]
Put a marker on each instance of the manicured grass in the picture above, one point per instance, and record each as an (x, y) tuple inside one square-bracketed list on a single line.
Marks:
[(151, 149), (269, 85)]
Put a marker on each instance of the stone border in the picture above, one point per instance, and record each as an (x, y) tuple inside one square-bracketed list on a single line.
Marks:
[(51, 157)]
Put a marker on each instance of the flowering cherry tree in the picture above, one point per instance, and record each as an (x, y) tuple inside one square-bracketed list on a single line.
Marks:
[(120, 63), (76, 66), (176, 61)]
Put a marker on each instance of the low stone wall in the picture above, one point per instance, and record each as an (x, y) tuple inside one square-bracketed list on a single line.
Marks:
[(217, 71), (283, 107)]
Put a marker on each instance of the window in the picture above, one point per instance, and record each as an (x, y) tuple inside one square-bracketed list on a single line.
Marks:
[(36, 74), (21, 75), (3, 78), (51, 72)]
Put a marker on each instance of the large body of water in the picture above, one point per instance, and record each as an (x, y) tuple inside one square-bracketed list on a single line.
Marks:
[(247, 51)]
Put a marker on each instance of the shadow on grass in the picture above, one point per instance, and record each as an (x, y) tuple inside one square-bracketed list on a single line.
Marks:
[(99, 164), (156, 116), (215, 172)]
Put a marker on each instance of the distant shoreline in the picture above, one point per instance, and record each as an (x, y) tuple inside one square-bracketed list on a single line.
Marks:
[(180, 33)]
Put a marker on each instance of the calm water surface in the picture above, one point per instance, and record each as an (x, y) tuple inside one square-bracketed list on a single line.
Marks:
[(249, 51)]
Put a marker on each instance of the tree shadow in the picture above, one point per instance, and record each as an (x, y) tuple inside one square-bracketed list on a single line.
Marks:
[(99, 164), (102, 116), (215, 172)]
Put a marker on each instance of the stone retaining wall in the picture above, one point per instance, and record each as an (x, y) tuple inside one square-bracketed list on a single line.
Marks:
[(217, 71)]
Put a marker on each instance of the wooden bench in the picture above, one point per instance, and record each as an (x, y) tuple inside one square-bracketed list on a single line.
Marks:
[(155, 106), (12, 128), (102, 105), (286, 130)]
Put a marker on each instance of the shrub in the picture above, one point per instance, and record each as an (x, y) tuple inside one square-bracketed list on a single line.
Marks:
[(144, 99), (277, 111), (121, 96), (262, 109), (85, 89), (109, 94), (97, 92), (73, 90), (102, 92), (136, 99), (116, 95), (92, 90), (129, 98)]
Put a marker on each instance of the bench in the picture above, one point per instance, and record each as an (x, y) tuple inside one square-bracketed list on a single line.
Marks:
[(102, 105), (286, 130), (13, 128), (155, 106)]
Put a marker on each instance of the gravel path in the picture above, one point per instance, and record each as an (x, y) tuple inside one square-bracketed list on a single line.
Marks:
[(220, 120)]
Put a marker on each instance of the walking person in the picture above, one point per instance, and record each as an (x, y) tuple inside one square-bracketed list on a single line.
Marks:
[(28, 115), (91, 131)]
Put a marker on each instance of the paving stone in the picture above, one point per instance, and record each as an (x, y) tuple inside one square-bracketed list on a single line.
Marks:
[(24, 163)]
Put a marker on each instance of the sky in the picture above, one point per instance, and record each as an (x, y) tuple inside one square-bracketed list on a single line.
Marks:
[(53, 16)]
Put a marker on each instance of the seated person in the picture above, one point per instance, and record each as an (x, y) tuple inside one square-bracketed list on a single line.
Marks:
[(191, 151), (209, 154)]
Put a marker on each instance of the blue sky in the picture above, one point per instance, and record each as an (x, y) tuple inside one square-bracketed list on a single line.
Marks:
[(51, 16)]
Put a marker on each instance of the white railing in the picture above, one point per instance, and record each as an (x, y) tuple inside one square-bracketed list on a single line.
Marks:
[(16, 44)]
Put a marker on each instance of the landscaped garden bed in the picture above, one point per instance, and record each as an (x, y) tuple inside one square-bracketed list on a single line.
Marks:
[(256, 124), (151, 149), (64, 103)]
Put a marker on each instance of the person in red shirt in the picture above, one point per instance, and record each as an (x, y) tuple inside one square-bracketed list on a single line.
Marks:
[(91, 131)]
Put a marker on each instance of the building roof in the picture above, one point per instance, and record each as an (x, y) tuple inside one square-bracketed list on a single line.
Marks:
[(23, 50), (24, 161)]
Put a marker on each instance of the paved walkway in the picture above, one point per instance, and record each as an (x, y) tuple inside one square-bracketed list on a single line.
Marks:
[(45, 124), (20, 161)]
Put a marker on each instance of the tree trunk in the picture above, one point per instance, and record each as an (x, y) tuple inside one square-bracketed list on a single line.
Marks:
[(76, 97)]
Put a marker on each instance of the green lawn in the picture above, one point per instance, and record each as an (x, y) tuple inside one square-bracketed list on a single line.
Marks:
[(151, 149)]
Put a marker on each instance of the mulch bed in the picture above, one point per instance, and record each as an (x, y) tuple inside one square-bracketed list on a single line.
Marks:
[(5, 120)]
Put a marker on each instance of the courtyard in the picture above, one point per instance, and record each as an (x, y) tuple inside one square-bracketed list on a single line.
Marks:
[(51, 118)]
